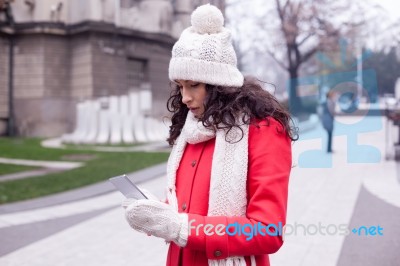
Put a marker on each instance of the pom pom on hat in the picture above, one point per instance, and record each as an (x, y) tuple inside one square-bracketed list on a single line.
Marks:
[(204, 51), (207, 19)]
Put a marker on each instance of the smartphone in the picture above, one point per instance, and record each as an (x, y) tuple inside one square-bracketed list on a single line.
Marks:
[(127, 187)]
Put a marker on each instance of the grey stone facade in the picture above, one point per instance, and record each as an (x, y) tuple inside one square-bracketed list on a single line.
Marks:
[(54, 72), (3, 79), (74, 56)]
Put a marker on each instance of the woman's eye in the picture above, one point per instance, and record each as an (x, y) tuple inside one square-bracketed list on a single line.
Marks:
[(195, 85)]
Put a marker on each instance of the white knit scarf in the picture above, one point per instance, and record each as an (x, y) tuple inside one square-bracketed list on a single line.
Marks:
[(228, 174)]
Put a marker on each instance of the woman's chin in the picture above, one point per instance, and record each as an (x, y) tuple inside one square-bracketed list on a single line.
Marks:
[(198, 116), (196, 113)]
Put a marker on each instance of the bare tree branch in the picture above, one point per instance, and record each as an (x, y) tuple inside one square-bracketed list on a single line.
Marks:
[(304, 27), (308, 54), (300, 43), (280, 63)]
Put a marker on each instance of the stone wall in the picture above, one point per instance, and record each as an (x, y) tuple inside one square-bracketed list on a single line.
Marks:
[(4, 50), (81, 66), (3, 84), (53, 72), (111, 67), (42, 103)]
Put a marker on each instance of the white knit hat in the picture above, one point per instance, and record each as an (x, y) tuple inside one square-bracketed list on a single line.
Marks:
[(204, 51)]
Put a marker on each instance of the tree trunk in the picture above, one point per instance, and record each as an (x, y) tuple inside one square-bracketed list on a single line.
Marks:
[(295, 106)]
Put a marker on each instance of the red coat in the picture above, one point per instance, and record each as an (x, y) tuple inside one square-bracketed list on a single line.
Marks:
[(267, 187)]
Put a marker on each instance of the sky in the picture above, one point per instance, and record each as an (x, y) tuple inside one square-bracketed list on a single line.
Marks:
[(392, 6), (375, 33)]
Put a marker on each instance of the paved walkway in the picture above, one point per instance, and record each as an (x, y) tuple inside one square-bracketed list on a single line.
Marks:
[(47, 168), (56, 143), (346, 196)]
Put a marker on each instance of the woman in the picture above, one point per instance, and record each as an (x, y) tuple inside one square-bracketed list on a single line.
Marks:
[(229, 167)]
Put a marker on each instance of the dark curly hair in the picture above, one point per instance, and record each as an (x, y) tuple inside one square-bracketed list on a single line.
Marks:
[(223, 104)]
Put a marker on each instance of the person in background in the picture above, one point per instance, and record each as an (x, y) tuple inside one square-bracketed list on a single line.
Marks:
[(229, 168), (328, 114)]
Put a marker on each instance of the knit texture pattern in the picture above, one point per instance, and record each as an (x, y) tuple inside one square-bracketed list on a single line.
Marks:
[(159, 219), (204, 51), (228, 195)]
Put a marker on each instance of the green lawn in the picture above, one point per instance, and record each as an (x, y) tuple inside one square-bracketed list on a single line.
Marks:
[(31, 149), (12, 168), (91, 146), (101, 166)]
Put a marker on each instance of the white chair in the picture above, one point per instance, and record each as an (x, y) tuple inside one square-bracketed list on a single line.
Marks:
[(127, 126), (104, 127), (115, 118), (92, 123), (116, 128), (150, 129), (134, 103), (127, 129), (136, 117), (145, 100), (82, 122), (113, 104), (139, 128), (163, 129), (69, 138), (124, 104)]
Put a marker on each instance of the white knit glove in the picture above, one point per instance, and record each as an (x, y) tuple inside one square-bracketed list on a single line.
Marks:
[(158, 219)]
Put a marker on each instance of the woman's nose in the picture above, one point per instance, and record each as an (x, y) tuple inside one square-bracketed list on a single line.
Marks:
[(186, 97)]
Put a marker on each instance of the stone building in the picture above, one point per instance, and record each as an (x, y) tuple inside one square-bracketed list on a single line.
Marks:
[(60, 52)]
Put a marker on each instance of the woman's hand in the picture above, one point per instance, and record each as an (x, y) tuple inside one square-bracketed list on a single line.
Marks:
[(159, 219)]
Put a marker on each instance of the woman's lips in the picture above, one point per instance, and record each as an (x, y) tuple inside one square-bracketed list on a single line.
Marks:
[(193, 109)]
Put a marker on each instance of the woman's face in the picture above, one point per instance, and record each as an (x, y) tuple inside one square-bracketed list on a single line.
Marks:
[(193, 95)]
